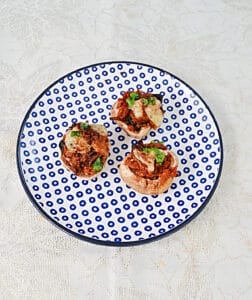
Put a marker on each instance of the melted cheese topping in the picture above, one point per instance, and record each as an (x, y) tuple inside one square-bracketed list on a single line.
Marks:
[(75, 143), (155, 113), (100, 129), (137, 108), (147, 159), (79, 144)]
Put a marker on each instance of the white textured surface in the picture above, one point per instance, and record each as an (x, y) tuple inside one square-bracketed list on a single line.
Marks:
[(206, 43)]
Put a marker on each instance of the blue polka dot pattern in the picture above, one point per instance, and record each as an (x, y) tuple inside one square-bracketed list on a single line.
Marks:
[(104, 208)]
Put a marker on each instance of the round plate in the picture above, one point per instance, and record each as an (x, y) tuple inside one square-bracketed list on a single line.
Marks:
[(105, 210)]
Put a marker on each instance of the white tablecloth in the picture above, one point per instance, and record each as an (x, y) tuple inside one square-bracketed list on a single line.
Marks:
[(206, 43)]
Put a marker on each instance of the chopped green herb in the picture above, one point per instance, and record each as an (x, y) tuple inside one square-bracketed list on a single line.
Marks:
[(147, 150), (145, 101), (159, 155), (130, 102), (131, 99), (97, 165), (151, 101), (75, 133), (134, 96), (84, 126)]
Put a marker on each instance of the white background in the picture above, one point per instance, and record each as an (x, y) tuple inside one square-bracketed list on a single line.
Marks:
[(206, 43)]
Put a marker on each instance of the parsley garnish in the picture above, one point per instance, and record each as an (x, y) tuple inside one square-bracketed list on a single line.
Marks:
[(131, 100), (97, 165), (75, 133), (84, 126), (159, 155), (150, 100), (145, 102), (134, 96)]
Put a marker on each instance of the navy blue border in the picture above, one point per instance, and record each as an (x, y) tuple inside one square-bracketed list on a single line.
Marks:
[(110, 243)]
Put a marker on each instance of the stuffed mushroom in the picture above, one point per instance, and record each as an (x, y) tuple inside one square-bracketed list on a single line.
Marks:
[(138, 112), (85, 149), (149, 168)]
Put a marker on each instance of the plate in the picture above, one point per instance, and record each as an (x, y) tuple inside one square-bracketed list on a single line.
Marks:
[(105, 210)]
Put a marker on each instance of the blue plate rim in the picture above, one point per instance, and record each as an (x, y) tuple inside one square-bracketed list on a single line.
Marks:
[(110, 243)]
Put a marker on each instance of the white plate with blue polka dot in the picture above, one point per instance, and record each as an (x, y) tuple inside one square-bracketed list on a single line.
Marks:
[(104, 209)]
